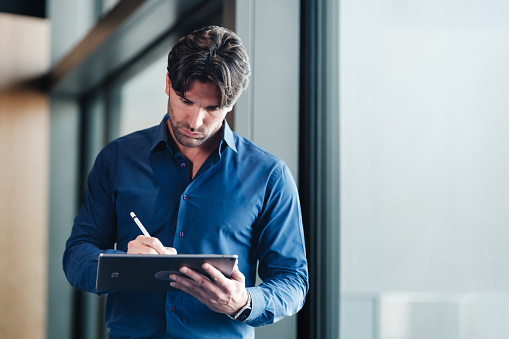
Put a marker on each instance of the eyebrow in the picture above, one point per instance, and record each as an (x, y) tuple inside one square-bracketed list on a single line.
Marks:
[(208, 107)]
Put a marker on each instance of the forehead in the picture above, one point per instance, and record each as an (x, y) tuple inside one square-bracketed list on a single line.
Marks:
[(203, 92)]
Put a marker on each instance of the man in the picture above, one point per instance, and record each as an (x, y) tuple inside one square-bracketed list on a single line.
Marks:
[(198, 188)]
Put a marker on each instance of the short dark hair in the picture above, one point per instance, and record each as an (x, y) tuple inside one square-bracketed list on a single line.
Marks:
[(210, 54)]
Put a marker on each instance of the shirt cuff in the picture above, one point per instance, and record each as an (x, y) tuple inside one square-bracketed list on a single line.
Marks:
[(257, 303)]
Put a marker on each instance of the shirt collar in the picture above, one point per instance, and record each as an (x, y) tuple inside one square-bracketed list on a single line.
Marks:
[(228, 137), (161, 136)]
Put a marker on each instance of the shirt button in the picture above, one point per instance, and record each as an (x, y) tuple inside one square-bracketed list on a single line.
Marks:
[(183, 165), (173, 308), (181, 234), (185, 197)]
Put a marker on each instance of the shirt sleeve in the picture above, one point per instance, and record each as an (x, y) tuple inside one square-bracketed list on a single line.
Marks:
[(94, 229), (281, 253)]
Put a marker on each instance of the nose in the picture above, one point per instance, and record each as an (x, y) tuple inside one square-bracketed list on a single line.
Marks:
[(196, 118)]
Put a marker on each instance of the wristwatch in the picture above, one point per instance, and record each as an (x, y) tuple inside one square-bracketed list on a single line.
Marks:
[(244, 312)]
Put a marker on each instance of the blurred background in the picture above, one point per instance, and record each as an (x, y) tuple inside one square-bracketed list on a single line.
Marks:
[(392, 116)]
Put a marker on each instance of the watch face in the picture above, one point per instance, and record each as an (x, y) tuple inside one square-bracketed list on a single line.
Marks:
[(243, 316)]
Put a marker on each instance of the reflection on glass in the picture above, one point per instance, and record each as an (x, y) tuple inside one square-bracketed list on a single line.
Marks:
[(141, 100)]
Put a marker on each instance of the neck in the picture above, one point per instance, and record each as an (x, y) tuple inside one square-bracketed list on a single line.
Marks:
[(196, 156)]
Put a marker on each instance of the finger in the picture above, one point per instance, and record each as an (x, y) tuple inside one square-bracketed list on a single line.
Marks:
[(137, 247), (171, 250), (153, 243), (214, 273), (192, 274), (187, 285)]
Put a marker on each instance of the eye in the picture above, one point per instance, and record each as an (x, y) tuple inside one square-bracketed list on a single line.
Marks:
[(213, 108), (185, 101)]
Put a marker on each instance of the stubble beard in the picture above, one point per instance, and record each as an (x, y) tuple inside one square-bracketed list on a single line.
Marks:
[(181, 138)]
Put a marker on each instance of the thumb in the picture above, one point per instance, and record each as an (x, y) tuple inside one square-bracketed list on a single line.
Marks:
[(237, 275)]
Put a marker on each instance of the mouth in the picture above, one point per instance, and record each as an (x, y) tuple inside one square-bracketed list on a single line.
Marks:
[(190, 134)]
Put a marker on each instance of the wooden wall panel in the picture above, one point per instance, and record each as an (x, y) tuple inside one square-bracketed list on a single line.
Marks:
[(24, 166)]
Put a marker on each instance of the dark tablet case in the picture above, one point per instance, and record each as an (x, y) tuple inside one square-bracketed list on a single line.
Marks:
[(140, 272)]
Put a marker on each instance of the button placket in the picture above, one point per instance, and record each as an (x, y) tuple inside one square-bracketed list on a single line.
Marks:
[(185, 197)]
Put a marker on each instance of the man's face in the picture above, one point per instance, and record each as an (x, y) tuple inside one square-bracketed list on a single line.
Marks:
[(195, 117)]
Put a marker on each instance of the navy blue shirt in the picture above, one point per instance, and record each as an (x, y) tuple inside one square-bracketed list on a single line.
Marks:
[(242, 201)]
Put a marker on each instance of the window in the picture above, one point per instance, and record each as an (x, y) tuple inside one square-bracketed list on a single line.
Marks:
[(423, 179), (139, 101)]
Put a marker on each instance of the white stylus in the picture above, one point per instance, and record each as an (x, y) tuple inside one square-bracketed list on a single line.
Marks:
[(138, 222)]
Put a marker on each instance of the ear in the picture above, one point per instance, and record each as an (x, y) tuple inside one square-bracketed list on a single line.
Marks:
[(168, 84)]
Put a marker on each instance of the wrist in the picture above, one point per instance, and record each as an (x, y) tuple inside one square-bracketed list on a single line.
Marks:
[(244, 311)]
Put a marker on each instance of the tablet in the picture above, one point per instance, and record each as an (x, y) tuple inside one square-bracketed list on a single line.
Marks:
[(147, 272)]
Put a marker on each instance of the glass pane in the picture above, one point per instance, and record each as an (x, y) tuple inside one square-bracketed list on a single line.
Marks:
[(95, 132), (140, 102), (107, 5), (424, 163)]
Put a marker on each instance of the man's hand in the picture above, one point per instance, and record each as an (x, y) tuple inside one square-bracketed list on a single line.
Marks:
[(220, 294), (148, 245)]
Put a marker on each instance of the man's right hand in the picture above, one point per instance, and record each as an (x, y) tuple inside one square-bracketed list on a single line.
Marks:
[(148, 245)]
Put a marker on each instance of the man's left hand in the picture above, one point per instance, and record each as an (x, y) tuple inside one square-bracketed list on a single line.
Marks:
[(220, 294)]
